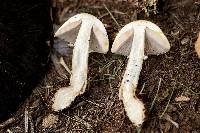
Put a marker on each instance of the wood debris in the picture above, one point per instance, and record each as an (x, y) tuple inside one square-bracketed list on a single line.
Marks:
[(182, 99)]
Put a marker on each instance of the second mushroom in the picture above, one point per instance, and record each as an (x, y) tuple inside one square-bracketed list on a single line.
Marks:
[(88, 34), (137, 40)]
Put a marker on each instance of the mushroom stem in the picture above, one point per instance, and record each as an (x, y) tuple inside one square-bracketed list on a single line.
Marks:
[(133, 106), (80, 57), (78, 80)]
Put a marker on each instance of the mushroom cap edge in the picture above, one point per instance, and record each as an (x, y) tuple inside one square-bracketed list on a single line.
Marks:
[(69, 31), (155, 42)]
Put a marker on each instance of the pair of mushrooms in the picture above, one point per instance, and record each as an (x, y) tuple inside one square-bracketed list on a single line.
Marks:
[(135, 40)]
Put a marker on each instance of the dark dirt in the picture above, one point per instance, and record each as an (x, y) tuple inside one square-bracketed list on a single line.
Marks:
[(99, 109)]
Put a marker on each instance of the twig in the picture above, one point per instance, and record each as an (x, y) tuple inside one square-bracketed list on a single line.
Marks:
[(31, 124), (189, 88), (8, 122), (168, 118), (117, 12), (111, 15), (93, 103), (107, 65), (96, 61), (161, 116), (26, 113), (153, 102), (115, 71), (143, 86)]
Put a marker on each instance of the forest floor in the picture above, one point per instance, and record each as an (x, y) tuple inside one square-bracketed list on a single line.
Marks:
[(169, 84)]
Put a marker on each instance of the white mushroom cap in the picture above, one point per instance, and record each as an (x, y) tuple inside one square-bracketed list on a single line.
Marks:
[(99, 38), (155, 42)]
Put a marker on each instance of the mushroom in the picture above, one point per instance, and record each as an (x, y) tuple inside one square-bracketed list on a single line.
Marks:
[(197, 46), (137, 40), (88, 34)]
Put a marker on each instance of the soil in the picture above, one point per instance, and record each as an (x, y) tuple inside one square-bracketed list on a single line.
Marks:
[(163, 80)]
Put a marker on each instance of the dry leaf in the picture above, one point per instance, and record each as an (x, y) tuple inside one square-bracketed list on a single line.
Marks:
[(197, 46), (182, 99)]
